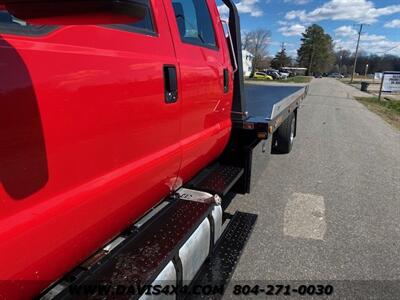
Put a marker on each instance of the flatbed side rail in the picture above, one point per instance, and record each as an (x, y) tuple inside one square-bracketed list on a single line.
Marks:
[(284, 108), (266, 125), (286, 102)]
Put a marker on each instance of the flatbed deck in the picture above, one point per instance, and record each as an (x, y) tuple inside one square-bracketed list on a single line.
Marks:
[(266, 102)]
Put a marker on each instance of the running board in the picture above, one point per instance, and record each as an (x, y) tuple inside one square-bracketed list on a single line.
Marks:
[(179, 244), (217, 179), (144, 254)]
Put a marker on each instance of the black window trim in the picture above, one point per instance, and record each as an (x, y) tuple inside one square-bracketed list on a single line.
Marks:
[(200, 44), (130, 28)]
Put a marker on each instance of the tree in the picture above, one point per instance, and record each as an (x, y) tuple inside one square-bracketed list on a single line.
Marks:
[(343, 60), (264, 63), (344, 70), (281, 59), (316, 51), (375, 62), (336, 68), (257, 42)]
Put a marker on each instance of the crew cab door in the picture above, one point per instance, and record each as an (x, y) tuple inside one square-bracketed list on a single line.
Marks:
[(90, 136), (205, 77)]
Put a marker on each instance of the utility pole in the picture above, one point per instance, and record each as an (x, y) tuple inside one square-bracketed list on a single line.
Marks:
[(312, 55), (341, 58), (366, 70), (356, 56)]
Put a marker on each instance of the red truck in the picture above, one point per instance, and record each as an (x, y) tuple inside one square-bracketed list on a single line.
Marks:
[(115, 113)]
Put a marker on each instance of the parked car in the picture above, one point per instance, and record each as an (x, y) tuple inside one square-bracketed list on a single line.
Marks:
[(274, 74), (335, 75), (285, 74), (262, 75)]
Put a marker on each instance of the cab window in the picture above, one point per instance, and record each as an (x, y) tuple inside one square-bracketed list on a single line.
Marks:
[(194, 22), (144, 25), (12, 25)]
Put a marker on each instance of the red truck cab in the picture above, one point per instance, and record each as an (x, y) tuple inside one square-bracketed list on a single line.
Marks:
[(98, 123)]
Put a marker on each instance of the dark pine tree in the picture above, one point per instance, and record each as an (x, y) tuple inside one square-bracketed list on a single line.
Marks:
[(281, 59), (316, 50)]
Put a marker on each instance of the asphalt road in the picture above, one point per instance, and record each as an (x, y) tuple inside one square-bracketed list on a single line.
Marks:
[(330, 210)]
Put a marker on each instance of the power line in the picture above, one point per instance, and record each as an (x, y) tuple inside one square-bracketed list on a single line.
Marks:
[(388, 50)]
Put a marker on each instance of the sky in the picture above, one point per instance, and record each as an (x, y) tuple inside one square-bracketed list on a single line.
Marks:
[(287, 19)]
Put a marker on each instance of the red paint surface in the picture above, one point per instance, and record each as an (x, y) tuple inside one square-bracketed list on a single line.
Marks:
[(87, 143)]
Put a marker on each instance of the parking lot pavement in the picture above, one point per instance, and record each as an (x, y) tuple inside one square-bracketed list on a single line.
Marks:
[(330, 210)]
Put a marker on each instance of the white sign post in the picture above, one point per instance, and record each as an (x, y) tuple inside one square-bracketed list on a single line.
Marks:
[(390, 83)]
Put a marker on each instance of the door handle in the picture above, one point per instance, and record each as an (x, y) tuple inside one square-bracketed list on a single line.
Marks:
[(170, 84), (226, 80)]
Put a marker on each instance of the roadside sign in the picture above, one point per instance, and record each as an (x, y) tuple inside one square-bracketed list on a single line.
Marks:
[(391, 82), (378, 76)]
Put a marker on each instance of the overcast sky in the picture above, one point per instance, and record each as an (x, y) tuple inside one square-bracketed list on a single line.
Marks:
[(287, 19)]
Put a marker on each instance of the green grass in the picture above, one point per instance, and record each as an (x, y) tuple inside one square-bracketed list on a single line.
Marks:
[(259, 79), (296, 79), (388, 110), (358, 81), (347, 81)]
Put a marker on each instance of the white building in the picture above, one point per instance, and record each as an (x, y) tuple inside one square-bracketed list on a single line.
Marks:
[(247, 62)]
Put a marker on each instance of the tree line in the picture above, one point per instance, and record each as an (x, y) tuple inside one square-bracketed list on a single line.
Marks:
[(316, 53), (372, 63)]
